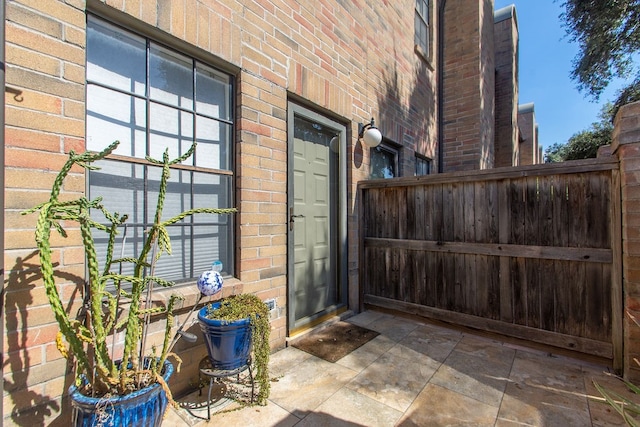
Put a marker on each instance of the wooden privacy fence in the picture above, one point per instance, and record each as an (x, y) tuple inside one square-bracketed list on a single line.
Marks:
[(525, 251)]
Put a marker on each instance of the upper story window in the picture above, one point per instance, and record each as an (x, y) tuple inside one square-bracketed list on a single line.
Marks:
[(384, 162), (423, 27), (423, 165), (151, 98)]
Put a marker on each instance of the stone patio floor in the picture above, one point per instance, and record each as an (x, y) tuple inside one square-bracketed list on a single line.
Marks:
[(417, 373)]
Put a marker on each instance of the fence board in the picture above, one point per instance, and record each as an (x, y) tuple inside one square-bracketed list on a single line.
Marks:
[(545, 211), (598, 298), (577, 226), (516, 249), (420, 215), (458, 213), (560, 213), (534, 303), (447, 220), (530, 218), (517, 199), (493, 282), (424, 289), (437, 223), (547, 252), (519, 291), (576, 282), (548, 295)]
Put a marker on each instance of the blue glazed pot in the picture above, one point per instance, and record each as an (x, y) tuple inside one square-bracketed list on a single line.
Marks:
[(142, 408), (228, 343)]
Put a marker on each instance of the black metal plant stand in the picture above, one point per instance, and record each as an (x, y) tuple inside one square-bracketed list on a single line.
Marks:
[(207, 370)]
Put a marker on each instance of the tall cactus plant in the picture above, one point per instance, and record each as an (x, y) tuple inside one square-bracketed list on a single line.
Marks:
[(85, 340)]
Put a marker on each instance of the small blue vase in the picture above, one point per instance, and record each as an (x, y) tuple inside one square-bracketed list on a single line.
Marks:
[(142, 408)]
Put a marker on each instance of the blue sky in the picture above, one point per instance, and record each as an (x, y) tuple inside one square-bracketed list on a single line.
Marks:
[(546, 57)]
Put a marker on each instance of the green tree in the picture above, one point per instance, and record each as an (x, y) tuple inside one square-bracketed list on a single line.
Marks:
[(608, 35), (584, 144)]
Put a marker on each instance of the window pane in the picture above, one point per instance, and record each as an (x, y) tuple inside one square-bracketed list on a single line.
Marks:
[(422, 35), (177, 197), (127, 245), (212, 191), (213, 97), (214, 140), (212, 243), (115, 58), (176, 266), (114, 116), (383, 163), (122, 187), (423, 8), (187, 190), (423, 166), (171, 77), (170, 128)]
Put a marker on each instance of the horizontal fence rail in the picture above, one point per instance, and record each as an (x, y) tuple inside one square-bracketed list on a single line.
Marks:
[(522, 251)]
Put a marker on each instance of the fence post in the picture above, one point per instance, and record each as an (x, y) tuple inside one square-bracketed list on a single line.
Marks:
[(626, 146)]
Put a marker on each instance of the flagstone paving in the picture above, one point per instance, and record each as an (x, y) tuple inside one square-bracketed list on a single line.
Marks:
[(420, 374)]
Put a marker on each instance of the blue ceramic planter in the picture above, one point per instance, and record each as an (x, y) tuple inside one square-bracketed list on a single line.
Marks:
[(228, 343), (143, 408)]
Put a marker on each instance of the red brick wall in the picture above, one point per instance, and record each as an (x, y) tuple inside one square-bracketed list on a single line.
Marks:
[(506, 117), (626, 146), (528, 134), (469, 85), (487, 86), (536, 158), (44, 121), (352, 61)]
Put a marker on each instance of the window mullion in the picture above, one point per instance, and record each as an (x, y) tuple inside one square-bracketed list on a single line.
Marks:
[(191, 228), (145, 169)]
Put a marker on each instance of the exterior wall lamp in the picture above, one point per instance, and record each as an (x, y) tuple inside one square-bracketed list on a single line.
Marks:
[(369, 134)]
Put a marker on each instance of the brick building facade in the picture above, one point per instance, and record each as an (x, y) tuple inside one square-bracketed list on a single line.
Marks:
[(275, 68), (469, 86), (506, 117), (529, 149)]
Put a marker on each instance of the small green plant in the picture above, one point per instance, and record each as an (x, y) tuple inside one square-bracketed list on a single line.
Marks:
[(108, 313), (238, 307), (627, 408)]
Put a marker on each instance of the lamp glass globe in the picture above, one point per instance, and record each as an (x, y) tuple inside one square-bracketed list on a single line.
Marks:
[(372, 137)]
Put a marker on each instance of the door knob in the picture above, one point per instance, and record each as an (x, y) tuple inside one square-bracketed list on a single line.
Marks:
[(291, 218)]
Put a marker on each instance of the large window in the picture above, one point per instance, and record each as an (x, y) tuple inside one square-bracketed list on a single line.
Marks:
[(423, 27), (152, 98)]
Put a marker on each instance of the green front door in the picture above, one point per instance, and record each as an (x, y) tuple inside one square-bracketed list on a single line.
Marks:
[(315, 223)]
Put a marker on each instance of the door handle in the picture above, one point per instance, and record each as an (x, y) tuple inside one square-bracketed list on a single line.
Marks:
[(291, 218)]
